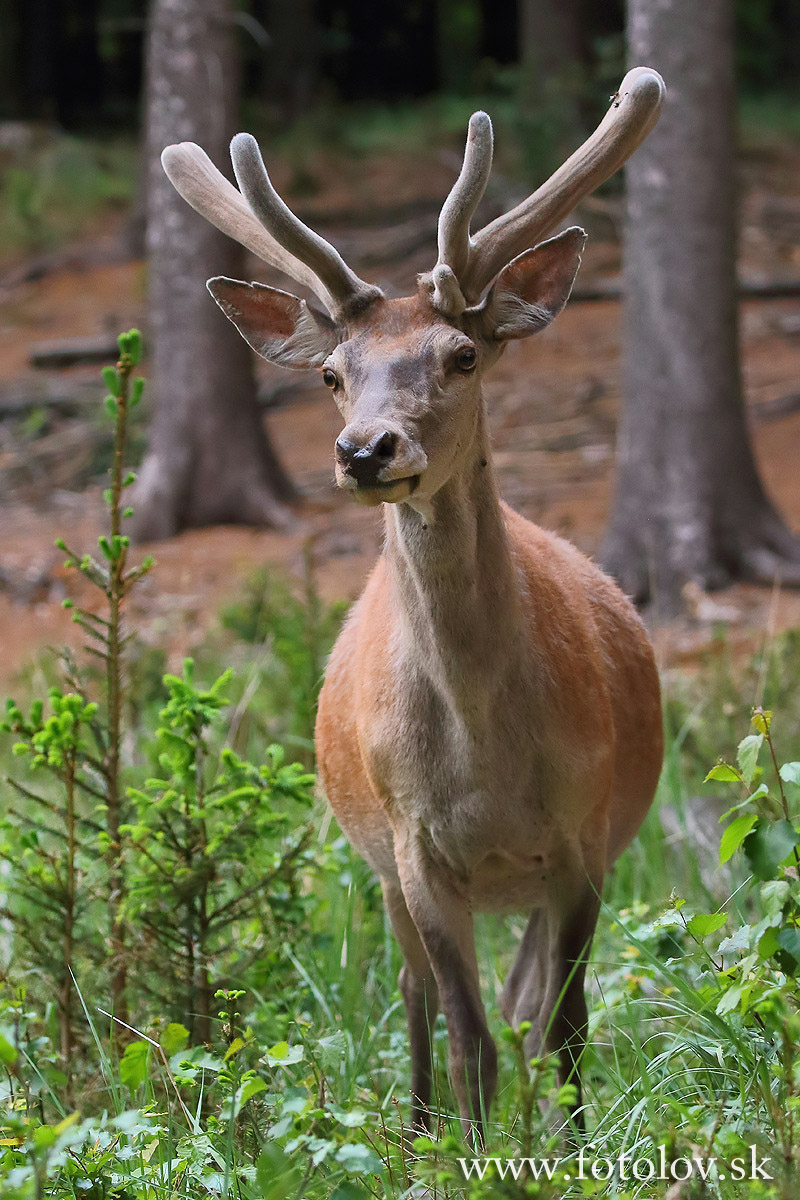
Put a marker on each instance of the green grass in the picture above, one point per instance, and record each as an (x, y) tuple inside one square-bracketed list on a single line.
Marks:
[(663, 1068)]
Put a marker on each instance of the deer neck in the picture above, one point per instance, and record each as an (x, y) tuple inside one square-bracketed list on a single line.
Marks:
[(452, 575)]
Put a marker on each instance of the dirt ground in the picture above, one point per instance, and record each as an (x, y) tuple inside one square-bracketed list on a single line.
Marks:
[(553, 400)]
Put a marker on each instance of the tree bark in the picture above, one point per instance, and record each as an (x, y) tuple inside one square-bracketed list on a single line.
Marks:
[(552, 57), (209, 460), (689, 503)]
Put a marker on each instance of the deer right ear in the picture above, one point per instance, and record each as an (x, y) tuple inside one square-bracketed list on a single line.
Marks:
[(279, 326)]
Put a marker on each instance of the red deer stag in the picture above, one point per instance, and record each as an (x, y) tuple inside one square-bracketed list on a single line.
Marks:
[(489, 732)]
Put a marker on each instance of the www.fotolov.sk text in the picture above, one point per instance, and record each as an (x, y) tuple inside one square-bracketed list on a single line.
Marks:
[(586, 1166)]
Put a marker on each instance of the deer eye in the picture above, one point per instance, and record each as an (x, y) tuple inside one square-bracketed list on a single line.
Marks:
[(330, 378), (467, 358)]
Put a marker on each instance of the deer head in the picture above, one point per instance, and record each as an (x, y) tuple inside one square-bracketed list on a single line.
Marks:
[(406, 373)]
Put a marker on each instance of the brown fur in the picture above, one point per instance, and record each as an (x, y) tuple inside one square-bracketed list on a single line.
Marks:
[(489, 732)]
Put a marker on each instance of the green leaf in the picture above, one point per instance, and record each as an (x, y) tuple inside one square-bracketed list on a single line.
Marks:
[(734, 835), (133, 1064), (702, 925), (737, 943), (358, 1159), (723, 773), (789, 940), (8, 1053), (761, 720), (731, 999), (768, 943), (747, 755), (790, 772), (111, 407), (768, 845), (112, 381), (234, 1048), (174, 1038), (351, 1118), (349, 1191), (243, 1093), (774, 894), (248, 1090)]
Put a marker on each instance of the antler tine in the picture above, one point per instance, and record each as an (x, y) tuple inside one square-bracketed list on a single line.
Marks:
[(465, 196), (194, 176), (633, 113), (348, 292)]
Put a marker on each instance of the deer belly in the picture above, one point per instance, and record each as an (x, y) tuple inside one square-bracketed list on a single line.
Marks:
[(504, 882), (501, 845)]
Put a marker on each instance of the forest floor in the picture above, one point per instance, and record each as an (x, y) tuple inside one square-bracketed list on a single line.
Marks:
[(553, 402)]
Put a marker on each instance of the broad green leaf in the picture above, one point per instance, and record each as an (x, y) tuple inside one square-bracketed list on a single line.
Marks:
[(734, 835), (8, 1053), (284, 1055), (774, 894), (352, 1117), (243, 1093), (790, 772), (731, 999), (768, 943), (174, 1038), (281, 1127), (349, 1191), (703, 924), (737, 943), (768, 845), (133, 1064), (722, 773), (747, 755), (358, 1159), (789, 940)]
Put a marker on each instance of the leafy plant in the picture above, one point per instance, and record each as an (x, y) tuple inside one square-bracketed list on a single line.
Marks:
[(217, 852), (54, 835)]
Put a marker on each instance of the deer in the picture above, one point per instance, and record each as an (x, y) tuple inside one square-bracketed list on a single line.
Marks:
[(489, 732)]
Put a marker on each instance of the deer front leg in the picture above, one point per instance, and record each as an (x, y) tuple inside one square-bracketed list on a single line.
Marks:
[(420, 994), (440, 911)]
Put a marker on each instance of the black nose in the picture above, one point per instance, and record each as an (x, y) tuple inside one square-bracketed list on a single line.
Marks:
[(364, 462)]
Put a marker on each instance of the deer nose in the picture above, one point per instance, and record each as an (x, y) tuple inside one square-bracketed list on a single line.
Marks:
[(364, 462)]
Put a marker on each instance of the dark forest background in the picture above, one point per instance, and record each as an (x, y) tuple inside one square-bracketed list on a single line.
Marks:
[(81, 64)]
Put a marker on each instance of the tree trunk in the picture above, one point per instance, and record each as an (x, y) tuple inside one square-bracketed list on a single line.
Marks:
[(458, 43), (689, 503), (209, 460), (292, 56), (552, 57)]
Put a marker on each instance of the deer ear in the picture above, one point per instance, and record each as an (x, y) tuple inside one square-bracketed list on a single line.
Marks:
[(278, 326), (534, 287)]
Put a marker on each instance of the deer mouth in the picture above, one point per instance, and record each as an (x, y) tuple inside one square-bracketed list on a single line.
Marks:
[(392, 492)]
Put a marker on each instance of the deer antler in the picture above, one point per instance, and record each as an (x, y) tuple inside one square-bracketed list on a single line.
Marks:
[(455, 244), (476, 261), (272, 231)]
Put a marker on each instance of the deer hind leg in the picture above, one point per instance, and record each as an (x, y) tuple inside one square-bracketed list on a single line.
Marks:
[(441, 914), (524, 986), (548, 979), (421, 997)]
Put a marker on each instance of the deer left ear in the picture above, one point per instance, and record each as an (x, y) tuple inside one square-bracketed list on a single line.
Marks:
[(279, 326), (534, 287)]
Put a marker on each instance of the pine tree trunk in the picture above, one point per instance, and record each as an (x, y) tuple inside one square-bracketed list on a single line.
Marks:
[(552, 56), (689, 503), (209, 460)]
